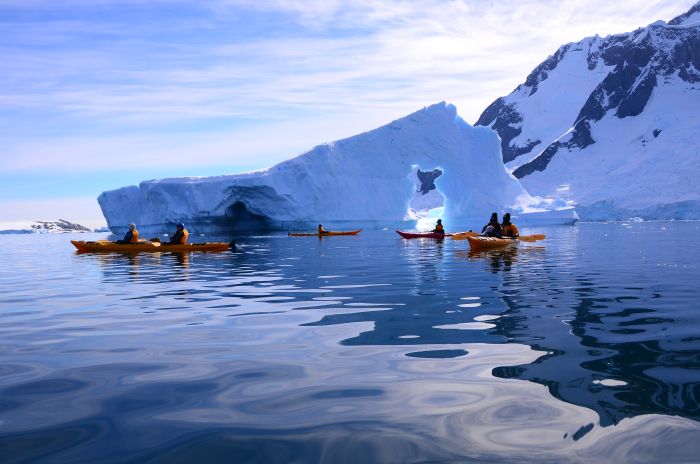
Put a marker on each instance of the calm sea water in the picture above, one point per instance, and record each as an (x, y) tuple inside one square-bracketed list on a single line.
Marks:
[(582, 348)]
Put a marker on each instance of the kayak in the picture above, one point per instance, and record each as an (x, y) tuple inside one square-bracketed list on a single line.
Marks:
[(521, 238), (107, 246), (482, 243), (422, 235), (327, 234)]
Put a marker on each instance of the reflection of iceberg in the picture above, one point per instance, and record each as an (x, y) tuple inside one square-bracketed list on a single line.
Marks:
[(432, 313), (364, 178), (618, 350)]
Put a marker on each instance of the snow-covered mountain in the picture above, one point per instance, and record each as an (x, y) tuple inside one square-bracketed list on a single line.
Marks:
[(41, 227), (613, 122), (377, 176)]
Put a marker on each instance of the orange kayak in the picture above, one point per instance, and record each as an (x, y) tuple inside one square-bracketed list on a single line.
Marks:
[(316, 234), (107, 246), (484, 243)]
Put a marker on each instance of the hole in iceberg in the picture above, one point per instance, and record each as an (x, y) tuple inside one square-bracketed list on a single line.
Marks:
[(427, 203), (238, 216)]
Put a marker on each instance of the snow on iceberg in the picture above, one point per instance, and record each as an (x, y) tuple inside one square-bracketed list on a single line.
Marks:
[(368, 178)]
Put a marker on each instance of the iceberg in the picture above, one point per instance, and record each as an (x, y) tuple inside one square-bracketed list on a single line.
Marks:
[(375, 178)]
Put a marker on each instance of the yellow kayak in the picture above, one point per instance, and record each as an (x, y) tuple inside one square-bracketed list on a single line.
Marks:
[(522, 238), (107, 246), (482, 243)]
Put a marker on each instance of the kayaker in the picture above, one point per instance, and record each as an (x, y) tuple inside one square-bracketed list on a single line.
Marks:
[(509, 229), (321, 230), (493, 228), (438, 227), (180, 235), (131, 236)]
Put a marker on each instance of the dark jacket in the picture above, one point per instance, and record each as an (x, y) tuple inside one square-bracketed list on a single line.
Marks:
[(497, 230)]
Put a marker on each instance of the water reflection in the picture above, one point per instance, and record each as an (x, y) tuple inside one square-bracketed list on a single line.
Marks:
[(620, 346), (425, 259), (607, 344), (317, 350), (619, 356), (499, 260), (139, 267), (430, 312)]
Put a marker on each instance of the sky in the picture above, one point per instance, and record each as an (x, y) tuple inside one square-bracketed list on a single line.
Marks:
[(100, 94)]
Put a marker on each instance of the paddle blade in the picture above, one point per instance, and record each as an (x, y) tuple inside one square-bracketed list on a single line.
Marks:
[(462, 235), (531, 238)]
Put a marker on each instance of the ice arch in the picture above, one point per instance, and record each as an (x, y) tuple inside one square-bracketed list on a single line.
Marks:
[(427, 203), (355, 179)]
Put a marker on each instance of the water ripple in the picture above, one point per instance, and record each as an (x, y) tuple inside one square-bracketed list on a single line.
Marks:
[(366, 349)]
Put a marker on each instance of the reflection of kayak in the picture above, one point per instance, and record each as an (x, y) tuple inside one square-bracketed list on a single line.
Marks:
[(421, 235), (351, 232), (464, 235), (105, 245), (480, 243)]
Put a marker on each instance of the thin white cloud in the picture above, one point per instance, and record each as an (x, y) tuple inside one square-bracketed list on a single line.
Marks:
[(422, 40), (354, 58)]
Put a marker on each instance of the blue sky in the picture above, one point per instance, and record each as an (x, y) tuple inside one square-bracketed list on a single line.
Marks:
[(98, 94)]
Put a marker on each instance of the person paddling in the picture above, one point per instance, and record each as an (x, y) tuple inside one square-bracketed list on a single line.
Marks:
[(131, 236), (493, 228), (509, 229), (321, 230), (438, 228), (180, 236)]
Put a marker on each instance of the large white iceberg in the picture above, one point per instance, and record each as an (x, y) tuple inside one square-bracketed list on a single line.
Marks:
[(367, 178)]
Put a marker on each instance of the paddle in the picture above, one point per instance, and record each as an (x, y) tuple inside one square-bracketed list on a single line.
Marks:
[(463, 235), (531, 238)]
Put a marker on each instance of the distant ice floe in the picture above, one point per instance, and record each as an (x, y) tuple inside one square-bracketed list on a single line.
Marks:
[(41, 227)]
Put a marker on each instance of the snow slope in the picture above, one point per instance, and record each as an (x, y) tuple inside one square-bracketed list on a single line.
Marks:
[(367, 177), (612, 120), (41, 227)]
